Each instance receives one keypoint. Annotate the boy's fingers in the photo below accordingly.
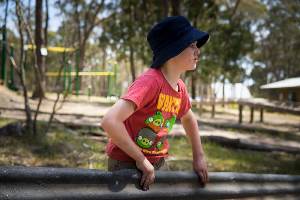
(149, 180)
(146, 184)
(143, 179)
(147, 170)
(206, 176)
(203, 178)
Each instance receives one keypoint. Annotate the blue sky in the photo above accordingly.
(54, 20)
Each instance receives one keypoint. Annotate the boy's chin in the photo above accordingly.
(190, 67)
(193, 67)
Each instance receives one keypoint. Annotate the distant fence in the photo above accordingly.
(66, 183)
(252, 104)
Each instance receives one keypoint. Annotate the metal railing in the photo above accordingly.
(67, 183)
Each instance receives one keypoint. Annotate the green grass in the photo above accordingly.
(64, 147)
(4, 121)
(225, 159)
(61, 147)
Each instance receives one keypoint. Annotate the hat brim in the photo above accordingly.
(178, 46)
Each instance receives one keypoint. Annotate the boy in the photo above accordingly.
(139, 122)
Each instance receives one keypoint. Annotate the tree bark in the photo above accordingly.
(131, 49)
(104, 91)
(166, 8)
(46, 36)
(29, 122)
(193, 85)
(46, 24)
(82, 55)
(223, 91)
(40, 86)
(89, 19)
(176, 7)
(132, 66)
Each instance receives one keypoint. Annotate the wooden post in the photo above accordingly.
(240, 113)
(200, 107)
(213, 110)
(251, 114)
(261, 114)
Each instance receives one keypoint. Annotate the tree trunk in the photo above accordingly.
(46, 24)
(29, 122)
(223, 92)
(131, 49)
(166, 8)
(193, 85)
(40, 87)
(81, 60)
(46, 32)
(132, 67)
(175, 7)
(82, 56)
(104, 91)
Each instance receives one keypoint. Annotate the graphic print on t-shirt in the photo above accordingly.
(167, 103)
(155, 122)
(151, 139)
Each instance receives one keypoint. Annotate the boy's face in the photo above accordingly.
(188, 58)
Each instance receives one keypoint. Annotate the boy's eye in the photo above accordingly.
(194, 45)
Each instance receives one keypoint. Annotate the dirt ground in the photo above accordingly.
(83, 110)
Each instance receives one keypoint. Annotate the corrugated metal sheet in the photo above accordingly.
(287, 83)
(65, 183)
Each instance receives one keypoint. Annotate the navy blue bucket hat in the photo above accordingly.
(171, 36)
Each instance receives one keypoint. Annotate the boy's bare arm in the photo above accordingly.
(113, 124)
(191, 128)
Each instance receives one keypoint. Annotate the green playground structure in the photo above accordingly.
(67, 67)
(67, 70)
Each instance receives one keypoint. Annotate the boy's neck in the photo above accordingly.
(171, 75)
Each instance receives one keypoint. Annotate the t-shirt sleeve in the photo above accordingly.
(142, 91)
(185, 102)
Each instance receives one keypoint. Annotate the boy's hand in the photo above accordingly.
(200, 168)
(148, 175)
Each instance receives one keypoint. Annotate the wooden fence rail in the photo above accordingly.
(251, 103)
(66, 183)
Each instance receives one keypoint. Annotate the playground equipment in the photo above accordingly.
(66, 66)
(9, 81)
(68, 73)
(67, 70)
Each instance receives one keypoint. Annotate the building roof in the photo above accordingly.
(287, 83)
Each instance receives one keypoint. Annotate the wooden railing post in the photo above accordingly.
(261, 114)
(251, 114)
(213, 109)
(240, 113)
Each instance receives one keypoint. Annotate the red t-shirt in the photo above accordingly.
(158, 106)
